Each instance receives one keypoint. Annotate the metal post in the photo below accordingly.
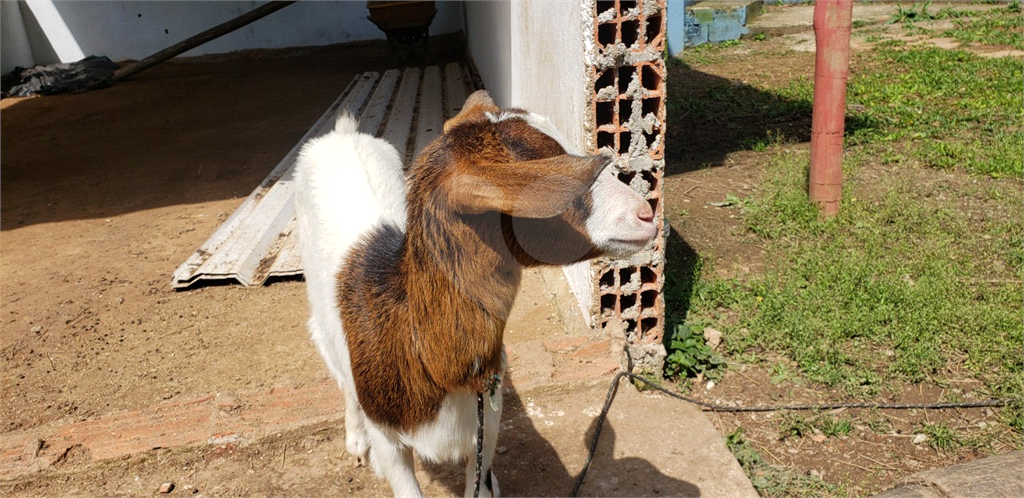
(832, 24)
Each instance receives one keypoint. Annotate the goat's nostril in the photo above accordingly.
(645, 213)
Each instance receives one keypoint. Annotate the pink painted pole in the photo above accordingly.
(832, 21)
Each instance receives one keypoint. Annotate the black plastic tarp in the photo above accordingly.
(90, 72)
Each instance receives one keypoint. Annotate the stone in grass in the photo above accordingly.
(713, 337)
(166, 487)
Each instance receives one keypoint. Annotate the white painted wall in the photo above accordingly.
(532, 54)
(549, 71)
(14, 47)
(60, 30)
(489, 37)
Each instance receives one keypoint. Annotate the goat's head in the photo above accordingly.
(555, 207)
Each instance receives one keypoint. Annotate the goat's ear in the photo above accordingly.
(474, 109)
(532, 189)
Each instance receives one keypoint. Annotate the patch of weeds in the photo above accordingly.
(879, 425)
(992, 27)
(760, 36)
(834, 427)
(941, 436)
(860, 23)
(914, 13)
(761, 144)
(706, 53)
(1013, 415)
(781, 373)
(724, 103)
(784, 208)
(689, 355)
(772, 480)
(730, 200)
(891, 43)
(795, 425)
(915, 30)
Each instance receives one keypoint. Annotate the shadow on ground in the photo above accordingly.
(187, 131)
(535, 465)
(710, 117)
(681, 273)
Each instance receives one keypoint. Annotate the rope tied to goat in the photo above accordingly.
(492, 386)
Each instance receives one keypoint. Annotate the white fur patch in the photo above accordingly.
(346, 184)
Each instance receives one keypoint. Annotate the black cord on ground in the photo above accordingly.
(613, 389)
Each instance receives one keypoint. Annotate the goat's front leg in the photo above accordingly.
(492, 422)
(355, 429)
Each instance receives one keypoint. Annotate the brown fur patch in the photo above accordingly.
(425, 314)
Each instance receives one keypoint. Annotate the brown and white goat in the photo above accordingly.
(411, 282)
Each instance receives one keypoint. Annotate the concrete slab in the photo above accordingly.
(685, 456)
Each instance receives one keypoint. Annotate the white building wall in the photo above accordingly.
(489, 36)
(14, 46)
(549, 72)
(60, 30)
(532, 54)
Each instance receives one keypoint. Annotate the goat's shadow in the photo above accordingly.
(531, 465)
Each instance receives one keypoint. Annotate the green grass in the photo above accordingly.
(964, 118)
(941, 436)
(909, 283)
(892, 273)
(952, 109)
(797, 425)
(897, 287)
(916, 12)
(1002, 26)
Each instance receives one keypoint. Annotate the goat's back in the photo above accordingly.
(347, 183)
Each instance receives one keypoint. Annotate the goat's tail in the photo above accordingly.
(346, 123)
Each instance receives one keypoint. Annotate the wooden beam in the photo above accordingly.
(197, 40)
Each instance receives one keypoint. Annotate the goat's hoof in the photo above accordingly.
(359, 461)
(356, 446)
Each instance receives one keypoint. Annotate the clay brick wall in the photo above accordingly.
(628, 106)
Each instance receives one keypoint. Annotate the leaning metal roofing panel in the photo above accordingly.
(258, 241)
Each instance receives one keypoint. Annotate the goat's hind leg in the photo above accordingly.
(336, 357)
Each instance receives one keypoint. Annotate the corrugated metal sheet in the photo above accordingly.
(257, 242)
